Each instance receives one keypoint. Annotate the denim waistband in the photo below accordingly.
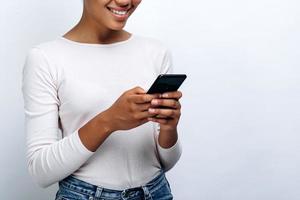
(83, 187)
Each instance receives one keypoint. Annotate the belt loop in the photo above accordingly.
(98, 192)
(147, 194)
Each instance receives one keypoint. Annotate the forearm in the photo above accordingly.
(95, 132)
(51, 162)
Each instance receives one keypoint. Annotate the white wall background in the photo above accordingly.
(241, 106)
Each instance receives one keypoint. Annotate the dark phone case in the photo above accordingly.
(167, 83)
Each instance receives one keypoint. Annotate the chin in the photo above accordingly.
(117, 27)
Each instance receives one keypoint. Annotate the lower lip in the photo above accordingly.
(119, 17)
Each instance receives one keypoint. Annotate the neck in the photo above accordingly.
(89, 31)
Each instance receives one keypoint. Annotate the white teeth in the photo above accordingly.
(118, 12)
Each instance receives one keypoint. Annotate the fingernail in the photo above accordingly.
(151, 110)
(164, 95)
(154, 101)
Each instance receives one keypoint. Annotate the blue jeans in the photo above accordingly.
(72, 188)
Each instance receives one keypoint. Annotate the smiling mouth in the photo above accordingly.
(119, 12)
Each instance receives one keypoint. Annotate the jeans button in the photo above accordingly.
(124, 193)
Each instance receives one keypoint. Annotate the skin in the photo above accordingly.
(134, 107)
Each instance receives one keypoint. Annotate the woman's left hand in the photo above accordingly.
(168, 116)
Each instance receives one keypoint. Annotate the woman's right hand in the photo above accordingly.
(130, 109)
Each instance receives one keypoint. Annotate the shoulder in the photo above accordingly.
(47, 47)
(47, 52)
(155, 48)
(38, 50)
(37, 57)
(152, 43)
(158, 51)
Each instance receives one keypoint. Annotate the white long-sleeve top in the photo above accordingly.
(65, 84)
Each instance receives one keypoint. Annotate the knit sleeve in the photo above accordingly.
(168, 156)
(49, 158)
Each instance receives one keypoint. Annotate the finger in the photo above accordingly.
(143, 98)
(144, 115)
(171, 103)
(158, 120)
(142, 106)
(172, 95)
(157, 116)
(164, 112)
(161, 117)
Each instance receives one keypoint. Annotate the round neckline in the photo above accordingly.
(98, 44)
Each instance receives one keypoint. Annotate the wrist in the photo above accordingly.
(167, 138)
(104, 121)
(168, 129)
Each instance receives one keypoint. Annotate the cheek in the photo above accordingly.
(95, 6)
(96, 9)
(136, 2)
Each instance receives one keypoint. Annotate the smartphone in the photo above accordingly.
(166, 83)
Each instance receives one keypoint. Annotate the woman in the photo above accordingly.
(90, 85)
